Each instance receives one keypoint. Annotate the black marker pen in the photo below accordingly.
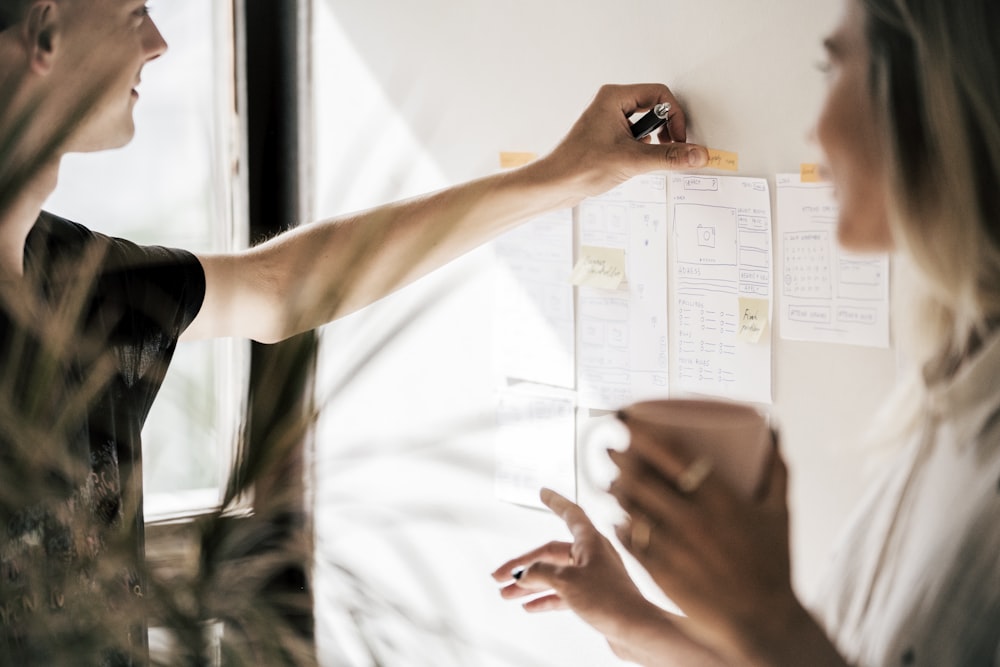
(653, 119)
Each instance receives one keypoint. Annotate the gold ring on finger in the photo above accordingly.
(694, 475)
(641, 533)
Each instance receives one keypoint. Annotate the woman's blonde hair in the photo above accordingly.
(935, 79)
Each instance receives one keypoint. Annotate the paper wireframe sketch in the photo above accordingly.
(622, 332)
(828, 295)
(721, 275)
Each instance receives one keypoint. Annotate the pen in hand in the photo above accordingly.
(650, 122)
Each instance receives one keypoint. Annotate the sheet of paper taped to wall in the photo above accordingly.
(828, 295)
(603, 268)
(534, 336)
(622, 333)
(535, 443)
(721, 252)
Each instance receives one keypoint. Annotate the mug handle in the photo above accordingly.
(598, 434)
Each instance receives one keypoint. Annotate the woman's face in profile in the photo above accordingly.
(846, 131)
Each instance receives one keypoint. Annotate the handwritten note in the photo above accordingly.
(724, 160)
(622, 334)
(754, 315)
(828, 295)
(721, 241)
(603, 268)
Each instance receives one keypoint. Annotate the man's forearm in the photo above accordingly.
(308, 276)
(338, 266)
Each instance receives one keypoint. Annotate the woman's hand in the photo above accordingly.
(589, 577)
(723, 559)
(599, 151)
(586, 575)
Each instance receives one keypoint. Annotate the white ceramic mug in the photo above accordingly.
(735, 438)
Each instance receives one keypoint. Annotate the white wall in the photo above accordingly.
(412, 96)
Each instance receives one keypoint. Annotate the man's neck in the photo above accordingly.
(19, 217)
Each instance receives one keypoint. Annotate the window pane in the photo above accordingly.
(170, 186)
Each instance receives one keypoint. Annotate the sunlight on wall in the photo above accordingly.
(413, 96)
(368, 154)
(408, 526)
(379, 469)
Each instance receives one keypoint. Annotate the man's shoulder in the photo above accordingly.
(59, 235)
(60, 239)
(50, 224)
(166, 285)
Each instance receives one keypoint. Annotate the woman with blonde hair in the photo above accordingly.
(911, 137)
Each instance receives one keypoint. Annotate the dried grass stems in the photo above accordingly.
(221, 572)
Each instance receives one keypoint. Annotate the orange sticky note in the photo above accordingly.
(809, 173)
(511, 159)
(725, 160)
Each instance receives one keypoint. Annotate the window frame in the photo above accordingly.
(269, 128)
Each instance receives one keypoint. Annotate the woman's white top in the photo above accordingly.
(916, 578)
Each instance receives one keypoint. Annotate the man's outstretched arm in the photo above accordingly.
(313, 274)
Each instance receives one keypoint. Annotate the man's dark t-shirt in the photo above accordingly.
(84, 345)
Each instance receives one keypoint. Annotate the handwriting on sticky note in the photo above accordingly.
(725, 160)
(511, 159)
(603, 268)
(809, 173)
(753, 319)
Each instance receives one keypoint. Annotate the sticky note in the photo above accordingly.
(809, 173)
(603, 268)
(511, 159)
(753, 317)
(724, 160)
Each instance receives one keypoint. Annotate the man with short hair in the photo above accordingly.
(89, 323)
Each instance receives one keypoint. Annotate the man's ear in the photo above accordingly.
(41, 34)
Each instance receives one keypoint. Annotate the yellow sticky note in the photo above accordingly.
(725, 160)
(809, 173)
(511, 159)
(600, 267)
(753, 318)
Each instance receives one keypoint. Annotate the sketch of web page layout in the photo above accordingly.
(622, 323)
(533, 308)
(828, 295)
(721, 277)
(535, 443)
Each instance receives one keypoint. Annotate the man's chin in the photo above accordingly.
(105, 143)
